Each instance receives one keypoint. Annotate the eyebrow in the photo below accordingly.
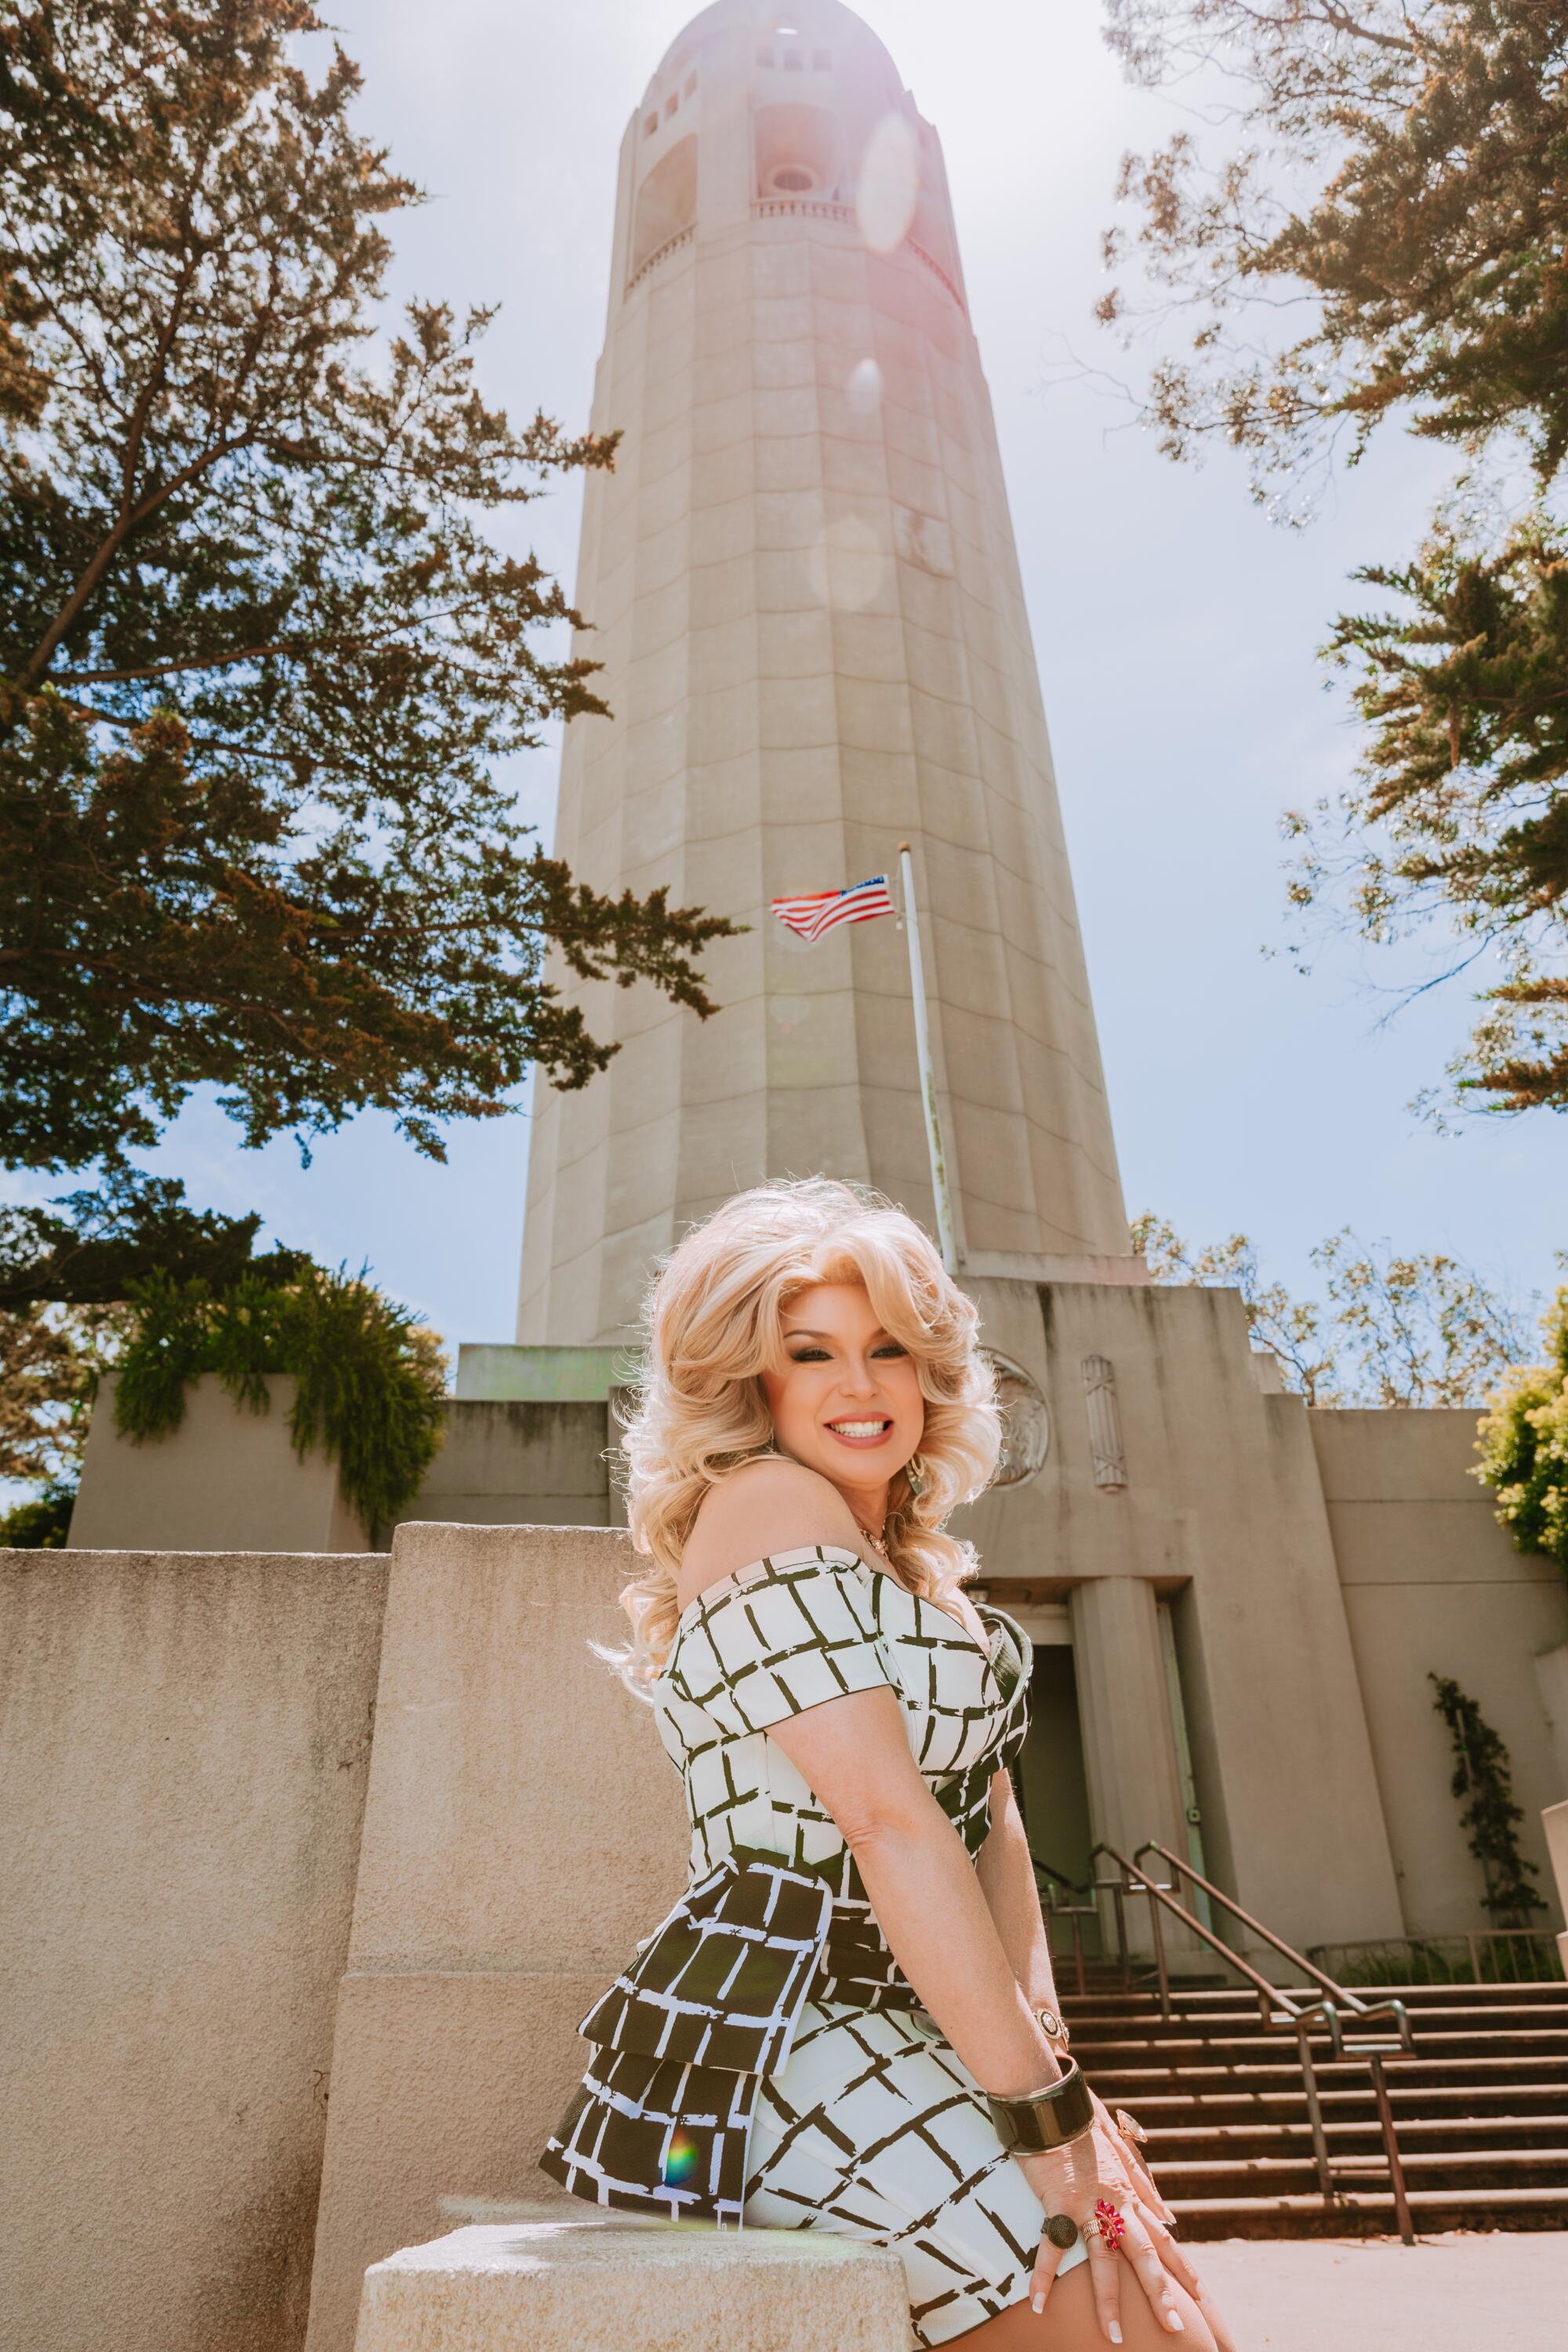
(805, 1332)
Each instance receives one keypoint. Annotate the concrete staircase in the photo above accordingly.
(1481, 2111)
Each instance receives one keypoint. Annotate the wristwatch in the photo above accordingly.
(1050, 2118)
(1053, 2027)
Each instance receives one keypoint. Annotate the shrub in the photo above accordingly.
(1523, 1445)
(370, 1379)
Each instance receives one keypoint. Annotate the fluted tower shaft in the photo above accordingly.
(806, 599)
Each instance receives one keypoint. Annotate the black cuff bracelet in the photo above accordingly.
(1050, 2119)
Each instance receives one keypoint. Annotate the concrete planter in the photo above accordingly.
(225, 1480)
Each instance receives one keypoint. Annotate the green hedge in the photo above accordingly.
(370, 1379)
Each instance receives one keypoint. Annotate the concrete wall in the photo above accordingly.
(523, 1829)
(229, 1480)
(1433, 1585)
(225, 1480)
(184, 1746)
(1222, 1509)
(508, 1463)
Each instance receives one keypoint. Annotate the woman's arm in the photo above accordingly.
(1007, 1882)
(854, 1754)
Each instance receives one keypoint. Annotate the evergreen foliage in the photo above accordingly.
(261, 664)
(1384, 238)
(370, 1379)
(1524, 1446)
(1483, 1781)
(90, 1248)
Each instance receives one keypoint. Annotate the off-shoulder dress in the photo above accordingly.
(762, 2059)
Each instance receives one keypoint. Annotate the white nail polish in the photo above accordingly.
(1116, 2331)
(1038, 2304)
(1175, 2323)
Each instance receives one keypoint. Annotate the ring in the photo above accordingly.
(1131, 2128)
(1062, 2232)
(1109, 2225)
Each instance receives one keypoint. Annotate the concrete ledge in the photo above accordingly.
(618, 2284)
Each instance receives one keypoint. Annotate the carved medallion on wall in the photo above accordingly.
(1025, 1422)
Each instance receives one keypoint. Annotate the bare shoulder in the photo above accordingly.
(765, 1507)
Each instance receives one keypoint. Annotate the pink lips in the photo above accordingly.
(880, 1437)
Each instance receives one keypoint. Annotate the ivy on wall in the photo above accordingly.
(1523, 1445)
(1483, 1780)
(370, 1379)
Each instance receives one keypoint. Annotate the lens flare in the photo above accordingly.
(681, 2160)
(865, 388)
(890, 184)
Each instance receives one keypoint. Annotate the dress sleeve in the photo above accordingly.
(792, 1632)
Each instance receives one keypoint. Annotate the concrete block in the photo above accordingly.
(184, 1745)
(634, 2286)
(227, 1480)
(523, 1830)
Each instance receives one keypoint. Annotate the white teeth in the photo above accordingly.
(858, 1428)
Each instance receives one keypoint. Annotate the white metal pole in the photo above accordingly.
(928, 1078)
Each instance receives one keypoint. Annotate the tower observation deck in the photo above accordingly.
(805, 594)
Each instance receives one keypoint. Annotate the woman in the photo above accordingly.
(848, 2021)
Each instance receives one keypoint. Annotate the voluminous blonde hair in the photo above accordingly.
(712, 1327)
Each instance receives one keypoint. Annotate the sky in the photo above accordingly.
(1176, 629)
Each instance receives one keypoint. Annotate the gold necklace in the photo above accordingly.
(877, 1543)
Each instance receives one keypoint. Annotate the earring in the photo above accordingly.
(914, 1471)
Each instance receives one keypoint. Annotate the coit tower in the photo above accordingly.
(804, 592)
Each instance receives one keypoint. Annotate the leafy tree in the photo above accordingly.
(1391, 1331)
(50, 1357)
(1524, 1445)
(42, 1523)
(260, 666)
(1483, 1780)
(1383, 237)
(107, 1241)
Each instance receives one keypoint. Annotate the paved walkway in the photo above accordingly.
(1496, 2292)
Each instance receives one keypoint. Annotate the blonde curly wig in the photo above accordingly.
(711, 1326)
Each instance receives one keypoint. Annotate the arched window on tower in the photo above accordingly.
(796, 152)
(666, 202)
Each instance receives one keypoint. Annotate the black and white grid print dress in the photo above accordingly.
(762, 2059)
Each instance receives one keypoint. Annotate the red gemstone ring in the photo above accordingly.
(1109, 2225)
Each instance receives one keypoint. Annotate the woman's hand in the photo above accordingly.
(1128, 2184)
(1075, 2181)
(1125, 2153)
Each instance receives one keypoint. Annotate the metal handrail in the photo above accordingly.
(1060, 1877)
(1076, 1913)
(1277, 2004)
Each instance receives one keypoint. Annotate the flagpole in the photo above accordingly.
(927, 1080)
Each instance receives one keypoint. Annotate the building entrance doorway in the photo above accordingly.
(1052, 1785)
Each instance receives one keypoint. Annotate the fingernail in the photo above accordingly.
(1038, 2304)
(1175, 2323)
(1116, 2331)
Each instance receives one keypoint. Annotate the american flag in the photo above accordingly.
(821, 910)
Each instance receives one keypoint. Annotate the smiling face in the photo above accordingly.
(848, 1402)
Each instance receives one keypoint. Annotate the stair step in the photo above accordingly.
(1466, 2169)
(1364, 2214)
(1480, 2106)
(1173, 2144)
